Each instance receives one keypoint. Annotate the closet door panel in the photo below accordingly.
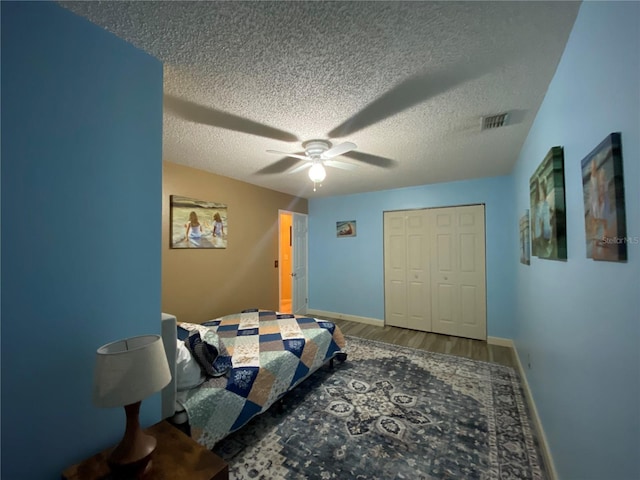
(459, 253)
(395, 268)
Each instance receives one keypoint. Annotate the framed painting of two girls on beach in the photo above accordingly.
(197, 223)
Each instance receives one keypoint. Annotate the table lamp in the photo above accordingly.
(127, 371)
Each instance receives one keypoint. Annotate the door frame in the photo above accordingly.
(284, 244)
(281, 244)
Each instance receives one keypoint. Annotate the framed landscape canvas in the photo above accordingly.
(548, 214)
(604, 207)
(525, 244)
(346, 228)
(197, 223)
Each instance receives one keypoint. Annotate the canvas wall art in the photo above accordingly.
(197, 223)
(548, 214)
(346, 228)
(604, 207)
(525, 243)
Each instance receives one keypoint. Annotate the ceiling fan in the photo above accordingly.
(317, 155)
(412, 91)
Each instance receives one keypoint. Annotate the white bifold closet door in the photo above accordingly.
(434, 261)
(407, 255)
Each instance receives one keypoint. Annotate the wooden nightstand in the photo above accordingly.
(176, 457)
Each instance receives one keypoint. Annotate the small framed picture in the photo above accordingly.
(604, 207)
(346, 228)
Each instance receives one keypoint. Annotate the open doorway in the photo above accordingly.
(285, 262)
(292, 259)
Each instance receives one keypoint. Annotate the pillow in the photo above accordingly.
(183, 333)
(188, 373)
(206, 352)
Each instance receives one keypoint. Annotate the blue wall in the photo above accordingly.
(81, 224)
(579, 320)
(346, 275)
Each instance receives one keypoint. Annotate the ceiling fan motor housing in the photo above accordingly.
(315, 148)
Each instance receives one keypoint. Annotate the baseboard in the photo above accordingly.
(544, 445)
(343, 316)
(502, 342)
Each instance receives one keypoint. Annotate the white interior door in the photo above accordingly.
(407, 279)
(395, 270)
(299, 267)
(459, 304)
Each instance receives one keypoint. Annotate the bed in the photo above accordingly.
(258, 356)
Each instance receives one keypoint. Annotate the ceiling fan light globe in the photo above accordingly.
(317, 173)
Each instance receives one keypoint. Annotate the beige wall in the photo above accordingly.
(202, 284)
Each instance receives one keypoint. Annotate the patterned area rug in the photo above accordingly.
(392, 412)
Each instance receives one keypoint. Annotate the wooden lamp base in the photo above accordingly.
(132, 457)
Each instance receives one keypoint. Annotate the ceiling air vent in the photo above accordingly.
(494, 121)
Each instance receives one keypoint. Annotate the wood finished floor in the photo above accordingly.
(432, 342)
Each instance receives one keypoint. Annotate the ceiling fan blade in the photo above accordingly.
(340, 165)
(280, 166)
(374, 160)
(301, 167)
(294, 155)
(408, 93)
(338, 150)
(216, 118)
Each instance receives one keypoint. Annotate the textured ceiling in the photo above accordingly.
(408, 82)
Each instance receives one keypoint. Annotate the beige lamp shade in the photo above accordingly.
(129, 370)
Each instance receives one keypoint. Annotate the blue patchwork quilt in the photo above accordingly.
(268, 355)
